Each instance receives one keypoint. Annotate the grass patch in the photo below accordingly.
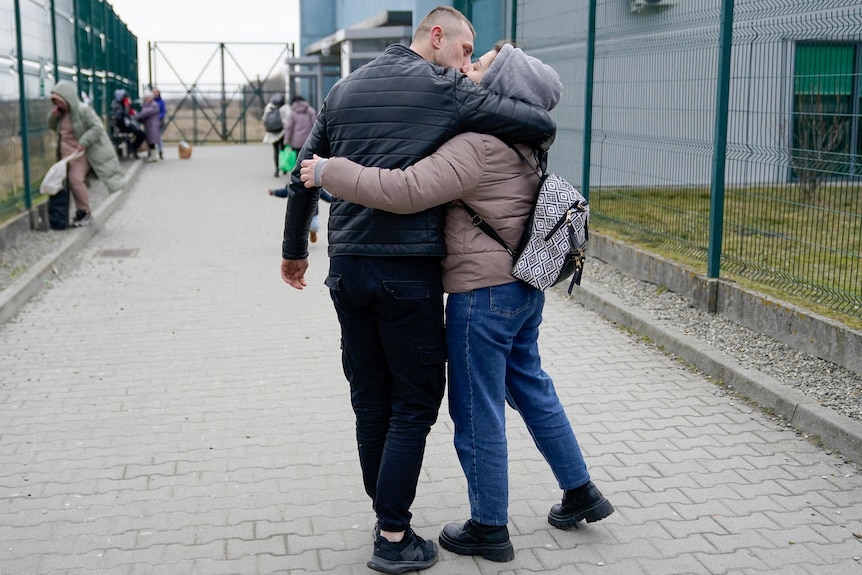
(807, 254)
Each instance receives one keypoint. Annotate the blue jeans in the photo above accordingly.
(492, 339)
(394, 354)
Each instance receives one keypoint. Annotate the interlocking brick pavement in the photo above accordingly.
(181, 410)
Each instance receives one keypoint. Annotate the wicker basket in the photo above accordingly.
(185, 150)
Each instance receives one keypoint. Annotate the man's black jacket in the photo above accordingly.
(391, 113)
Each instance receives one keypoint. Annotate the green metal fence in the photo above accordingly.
(43, 42)
(211, 94)
(730, 137)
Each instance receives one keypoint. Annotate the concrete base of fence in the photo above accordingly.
(796, 327)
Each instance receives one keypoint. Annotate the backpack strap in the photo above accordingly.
(480, 223)
(541, 160)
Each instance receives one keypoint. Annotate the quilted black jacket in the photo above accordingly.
(390, 113)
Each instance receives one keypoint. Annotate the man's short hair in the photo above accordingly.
(446, 17)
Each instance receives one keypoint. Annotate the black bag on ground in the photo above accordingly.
(58, 209)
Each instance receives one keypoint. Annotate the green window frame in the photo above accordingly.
(826, 111)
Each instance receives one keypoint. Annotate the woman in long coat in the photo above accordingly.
(149, 115)
(78, 127)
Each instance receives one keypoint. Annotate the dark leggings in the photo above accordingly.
(276, 148)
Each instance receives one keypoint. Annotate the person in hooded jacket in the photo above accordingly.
(276, 138)
(384, 274)
(298, 126)
(79, 128)
(149, 115)
(299, 122)
(492, 319)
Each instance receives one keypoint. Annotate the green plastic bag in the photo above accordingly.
(287, 159)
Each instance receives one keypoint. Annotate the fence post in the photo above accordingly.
(223, 96)
(588, 100)
(22, 108)
(54, 53)
(722, 97)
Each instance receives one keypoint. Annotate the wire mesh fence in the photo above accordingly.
(790, 219)
(41, 43)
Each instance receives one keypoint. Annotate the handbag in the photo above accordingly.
(287, 159)
(555, 240)
(54, 178)
(185, 150)
(58, 209)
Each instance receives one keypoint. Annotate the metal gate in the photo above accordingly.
(216, 91)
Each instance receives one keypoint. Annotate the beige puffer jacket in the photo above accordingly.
(479, 169)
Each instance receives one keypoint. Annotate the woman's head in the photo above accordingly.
(60, 102)
(277, 100)
(509, 71)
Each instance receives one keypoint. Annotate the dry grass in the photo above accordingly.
(808, 254)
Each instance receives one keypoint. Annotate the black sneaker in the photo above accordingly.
(81, 219)
(410, 554)
(585, 502)
(489, 541)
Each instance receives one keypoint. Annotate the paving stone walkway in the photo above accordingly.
(169, 406)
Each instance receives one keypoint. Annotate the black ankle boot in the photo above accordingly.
(489, 541)
(585, 502)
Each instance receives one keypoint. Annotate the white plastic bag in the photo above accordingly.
(53, 180)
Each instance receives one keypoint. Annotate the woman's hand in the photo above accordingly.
(306, 172)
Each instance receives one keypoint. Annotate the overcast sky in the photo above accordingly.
(168, 21)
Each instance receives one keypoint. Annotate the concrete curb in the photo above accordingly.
(14, 297)
(836, 431)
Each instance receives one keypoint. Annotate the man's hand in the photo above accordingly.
(293, 272)
(306, 172)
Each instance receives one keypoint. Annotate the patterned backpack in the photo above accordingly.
(555, 240)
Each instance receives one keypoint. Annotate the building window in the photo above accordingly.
(826, 114)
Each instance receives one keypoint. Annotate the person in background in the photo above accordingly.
(149, 115)
(300, 120)
(163, 112)
(492, 319)
(275, 136)
(78, 127)
(298, 126)
(122, 115)
(384, 269)
(315, 222)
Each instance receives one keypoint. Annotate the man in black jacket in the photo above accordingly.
(384, 274)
